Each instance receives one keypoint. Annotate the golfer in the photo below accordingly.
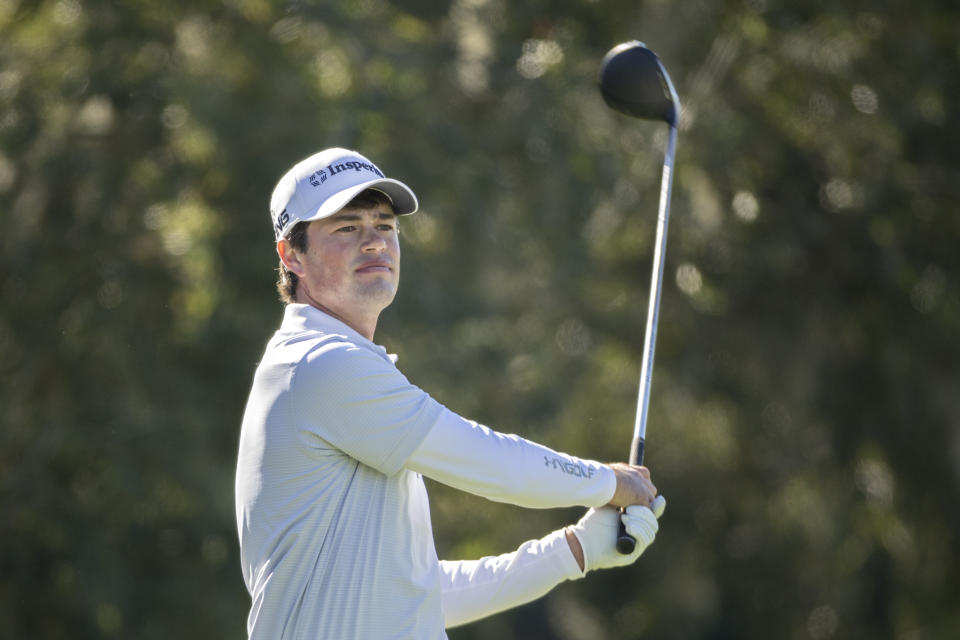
(332, 512)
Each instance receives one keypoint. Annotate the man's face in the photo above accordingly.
(351, 266)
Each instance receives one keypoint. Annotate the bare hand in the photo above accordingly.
(633, 485)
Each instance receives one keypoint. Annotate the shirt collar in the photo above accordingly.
(298, 318)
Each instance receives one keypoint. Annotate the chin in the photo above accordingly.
(383, 294)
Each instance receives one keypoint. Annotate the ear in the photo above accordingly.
(290, 257)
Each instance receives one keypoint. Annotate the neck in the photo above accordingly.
(365, 326)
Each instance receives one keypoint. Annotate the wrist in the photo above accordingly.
(575, 547)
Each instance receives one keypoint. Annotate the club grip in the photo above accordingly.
(626, 543)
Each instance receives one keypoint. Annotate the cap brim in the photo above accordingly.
(403, 199)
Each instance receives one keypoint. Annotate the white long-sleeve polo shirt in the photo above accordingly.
(332, 512)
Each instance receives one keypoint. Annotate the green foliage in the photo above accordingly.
(804, 421)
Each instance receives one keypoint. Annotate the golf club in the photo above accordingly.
(634, 82)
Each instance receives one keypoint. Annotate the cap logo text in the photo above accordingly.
(334, 169)
(282, 221)
(317, 178)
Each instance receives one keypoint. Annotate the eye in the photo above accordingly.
(385, 227)
(346, 229)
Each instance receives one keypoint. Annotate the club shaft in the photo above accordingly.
(656, 285)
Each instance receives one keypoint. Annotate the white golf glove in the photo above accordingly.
(597, 533)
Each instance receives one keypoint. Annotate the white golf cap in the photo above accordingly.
(324, 183)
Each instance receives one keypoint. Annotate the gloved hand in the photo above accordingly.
(597, 533)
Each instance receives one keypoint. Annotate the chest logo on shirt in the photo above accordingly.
(570, 468)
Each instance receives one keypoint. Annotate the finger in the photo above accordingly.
(642, 529)
(640, 511)
(658, 506)
(645, 489)
(652, 486)
(640, 518)
(648, 493)
(645, 480)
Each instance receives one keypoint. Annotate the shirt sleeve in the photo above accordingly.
(507, 468)
(474, 589)
(360, 403)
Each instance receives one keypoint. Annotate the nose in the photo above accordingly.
(373, 242)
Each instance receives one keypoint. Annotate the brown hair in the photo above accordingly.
(297, 237)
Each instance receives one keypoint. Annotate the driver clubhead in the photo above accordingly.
(634, 82)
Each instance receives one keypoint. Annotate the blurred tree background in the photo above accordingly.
(805, 419)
